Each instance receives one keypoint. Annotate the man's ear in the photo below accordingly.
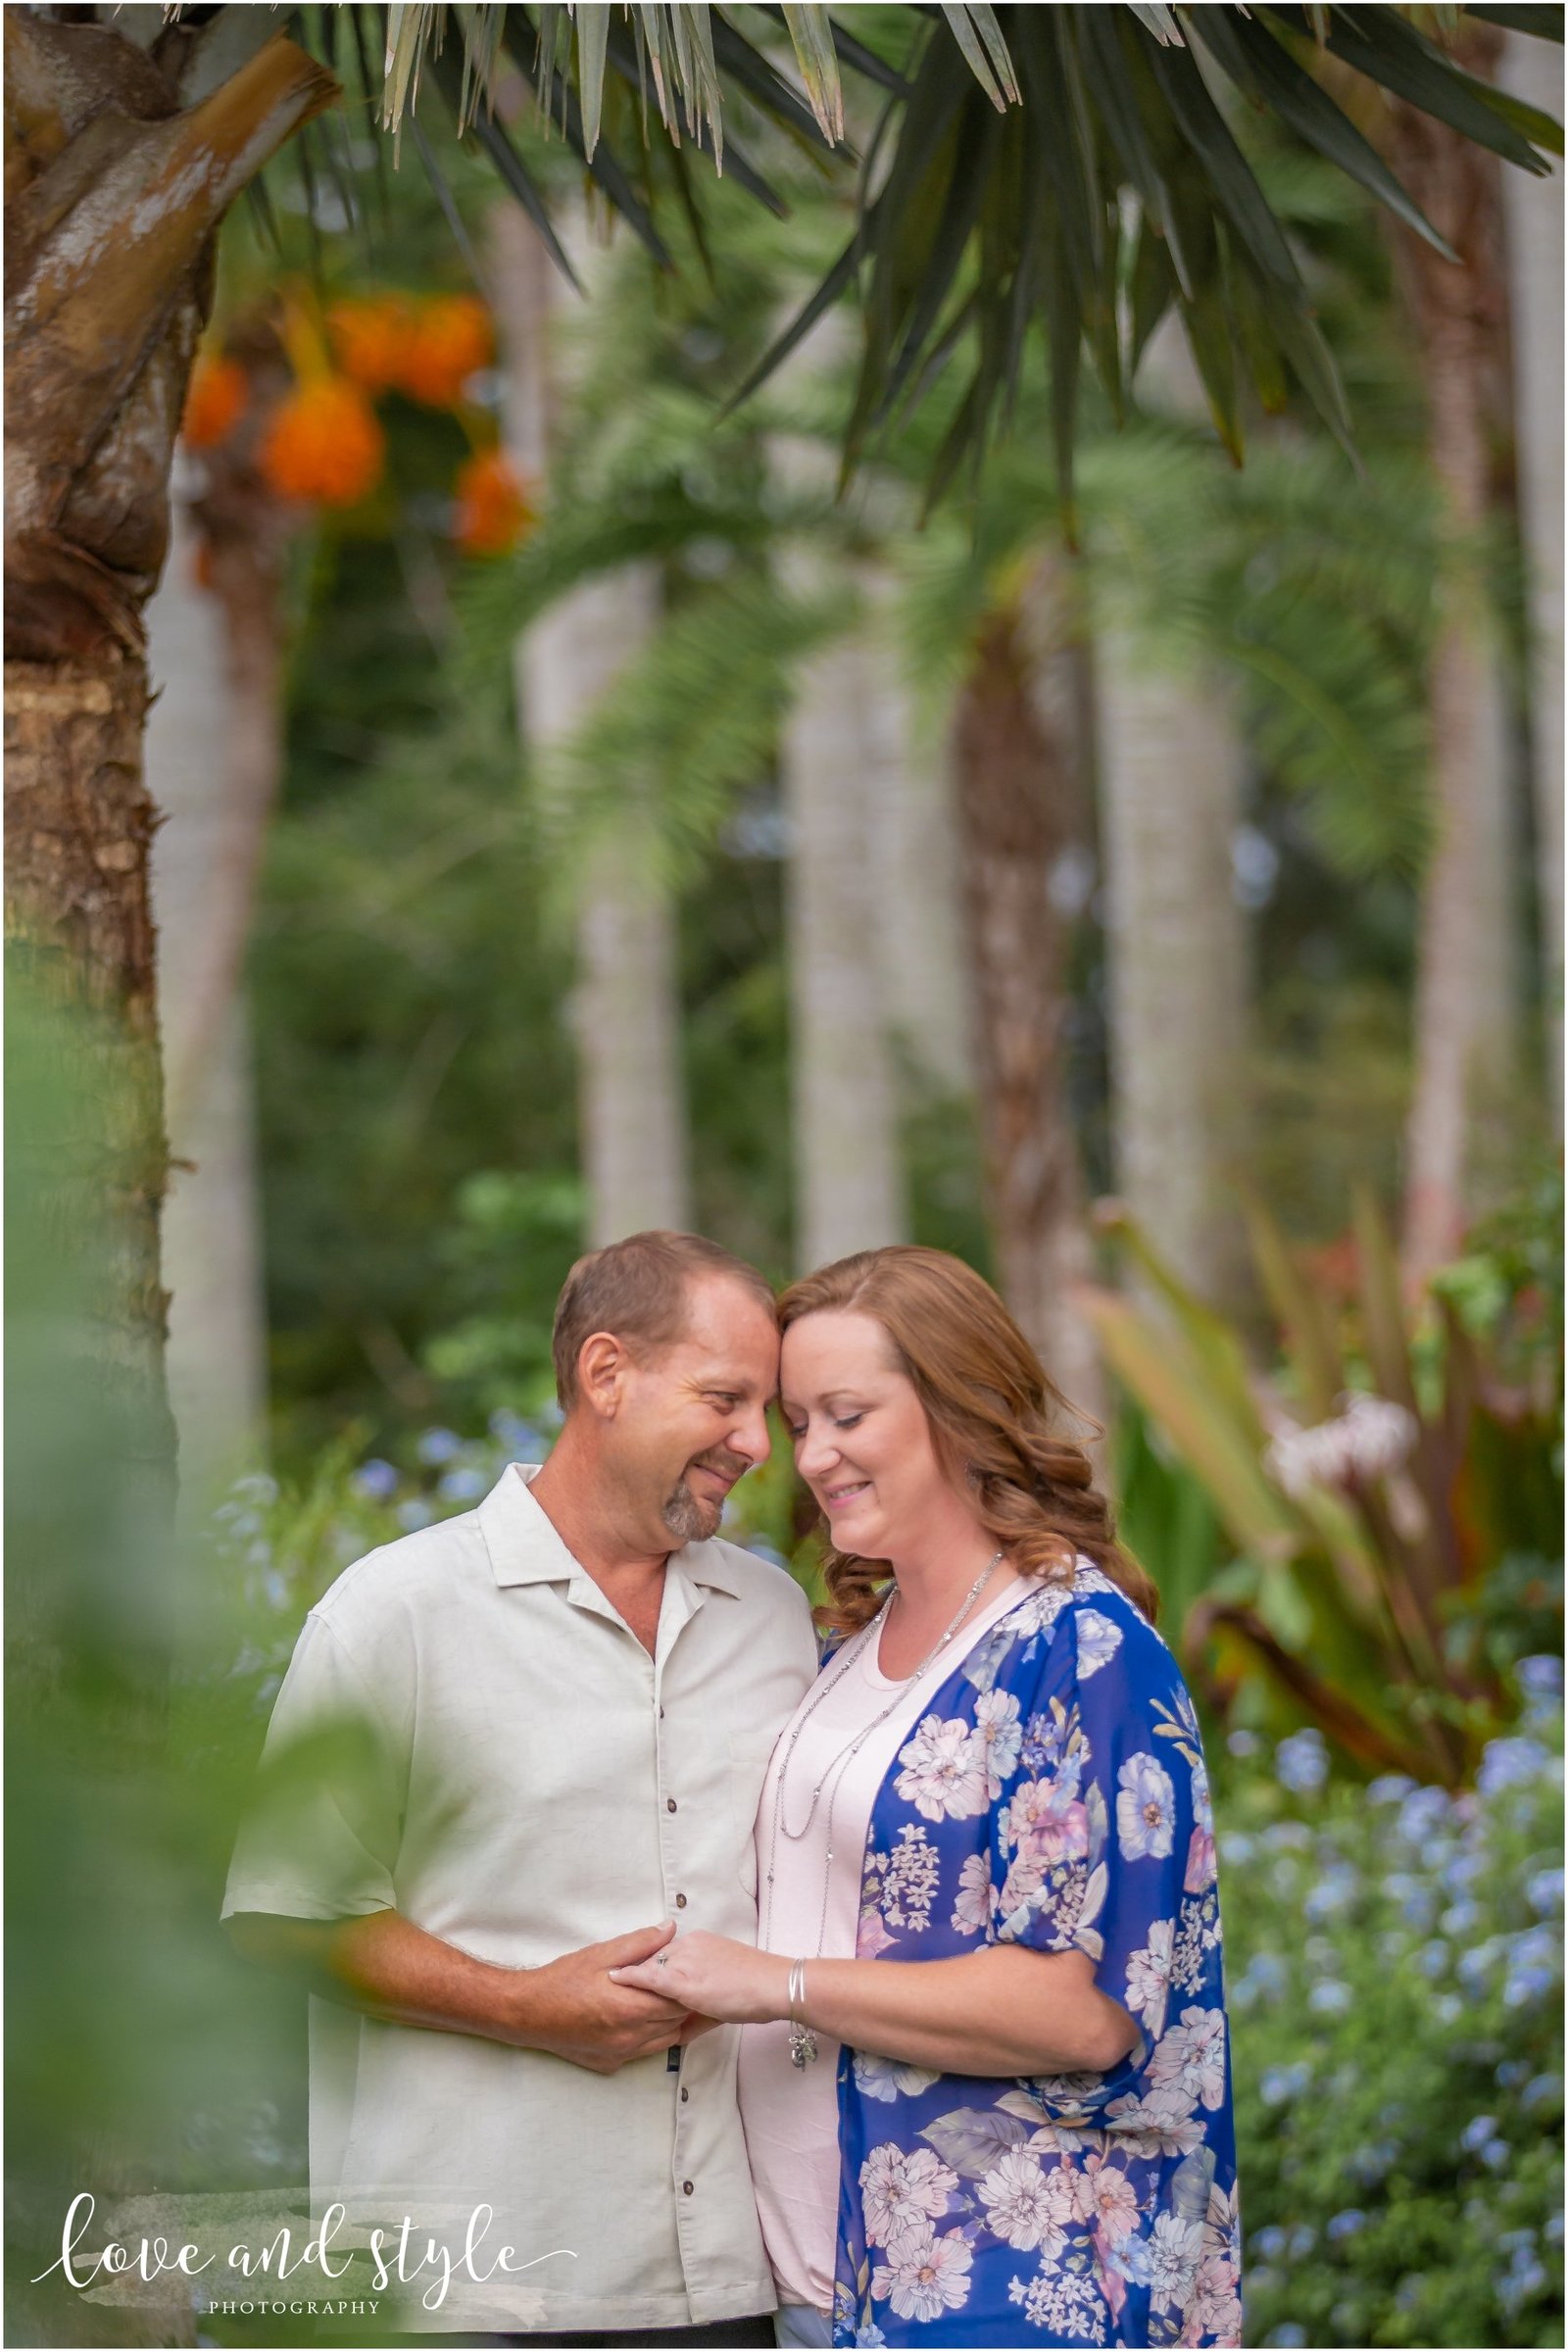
(602, 1362)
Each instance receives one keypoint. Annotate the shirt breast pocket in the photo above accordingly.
(749, 1754)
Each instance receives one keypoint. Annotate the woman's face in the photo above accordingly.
(863, 1443)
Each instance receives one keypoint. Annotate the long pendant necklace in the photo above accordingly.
(833, 1772)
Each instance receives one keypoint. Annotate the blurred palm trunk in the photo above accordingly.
(1532, 214)
(1457, 311)
(1017, 791)
(849, 1186)
(915, 852)
(112, 199)
(213, 757)
(1171, 771)
(626, 1005)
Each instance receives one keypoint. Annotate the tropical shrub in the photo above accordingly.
(1372, 1483)
(1394, 1981)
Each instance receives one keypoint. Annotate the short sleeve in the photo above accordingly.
(1105, 1837)
(321, 1839)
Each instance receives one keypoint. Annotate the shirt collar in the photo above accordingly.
(525, 1548)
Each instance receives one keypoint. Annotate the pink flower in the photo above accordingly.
(900, 2191)
(871, 1938)
(924, 2274)
(1017, 2195)
(1201, 1870)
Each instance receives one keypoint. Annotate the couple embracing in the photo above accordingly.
(749, 1998)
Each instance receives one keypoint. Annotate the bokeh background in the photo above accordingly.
(583, 810)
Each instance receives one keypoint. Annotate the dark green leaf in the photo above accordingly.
(1256, 62)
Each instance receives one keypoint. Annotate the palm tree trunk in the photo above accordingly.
(212, 755)
(1016, 792)
(1458, 314)
(848, 1176)
(1533, 221)
(1171, 771)
(626, 1005)
(914, 852)
(112, 199)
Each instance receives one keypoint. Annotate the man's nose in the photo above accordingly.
(751, 1438)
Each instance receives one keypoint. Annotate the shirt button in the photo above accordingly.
(669, 1804)
(680, 1902)
(687, 2187)
(685, 2094)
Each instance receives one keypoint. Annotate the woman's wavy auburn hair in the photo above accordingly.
(991, 1409)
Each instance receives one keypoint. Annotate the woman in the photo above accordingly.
(1027, 2137)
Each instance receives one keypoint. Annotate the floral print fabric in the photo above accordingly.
(1053, 1795)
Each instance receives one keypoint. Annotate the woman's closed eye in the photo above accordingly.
(839, 1421)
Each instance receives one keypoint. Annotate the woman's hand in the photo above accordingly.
(716, 1978)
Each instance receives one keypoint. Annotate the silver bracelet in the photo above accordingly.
(803, 2041)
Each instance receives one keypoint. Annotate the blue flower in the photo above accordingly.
(1533, 1948)
(1543, 1887)
(1346, 2223)
(1495, 2154)
(1268, 2244)
(1517, 2285)
(438, 1445)
(1243, 1743)
(1289, 2331)
(1236, 1848)
(1423, 1813)
(1330, 1998)
(1333, 1893)
(1435, 1959)
(462, 1484)
(1541, 2090)
(1281, 2083)
(415, 1514)
(1540, 1676)
(521, 1439)
(1447, 2008)
(1526, 1985)
(1552, 2230)
(1282, 1835)
(376, 1480)
(1415, 1898)
(1510, 2074)
(1301, 1761)
(1476, 1964)
(1459, 1919)
(1510, 1764)
(1304, 2237)
(1388, 1789)
(1477, 2133)
(1371, 2164)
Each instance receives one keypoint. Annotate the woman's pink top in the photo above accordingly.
(790, 2113)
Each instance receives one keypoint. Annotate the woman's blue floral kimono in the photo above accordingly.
(1053, 1796)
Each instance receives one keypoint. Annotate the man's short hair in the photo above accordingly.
(636, 1289)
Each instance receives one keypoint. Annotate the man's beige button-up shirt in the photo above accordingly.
(527, 1780)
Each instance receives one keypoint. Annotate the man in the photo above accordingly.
(504, 1742)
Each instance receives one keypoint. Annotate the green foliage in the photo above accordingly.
(1395, 1981)
(1368, 1487)
(1114, 192)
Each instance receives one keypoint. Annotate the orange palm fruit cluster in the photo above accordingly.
(369, 335)
(325, 445)
(494, 507)
(426, 348)
(216, 401)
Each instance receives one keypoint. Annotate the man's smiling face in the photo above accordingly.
(692, 1417)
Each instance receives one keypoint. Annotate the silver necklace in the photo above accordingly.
(838, 1765)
